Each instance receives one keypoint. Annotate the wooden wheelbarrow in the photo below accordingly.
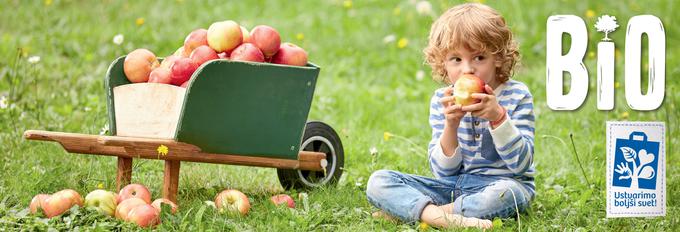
(240, 113)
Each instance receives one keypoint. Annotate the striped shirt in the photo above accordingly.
(507, 150)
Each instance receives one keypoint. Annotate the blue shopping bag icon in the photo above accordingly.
(636, 162)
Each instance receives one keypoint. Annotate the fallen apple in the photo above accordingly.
(37, 202)
(57, 204)
(158, 202)
(266, 38)
(283, 199)
(75, 197)
(247, 52)
(144, 216)
(134, 191)
(125, 206)
(465, 86)
(232, 201)
(102, 201)
(138, 65)
(224, 36)
(290, 54)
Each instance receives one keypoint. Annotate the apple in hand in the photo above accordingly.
(283, 199)
(181, 71)
(465, 86)
(247, 52)
(290, 54)
(101, 200)
(144, 215)
(203, 54)
(125, 206)
(134, 191)
(158, 202)
(37, 202)
(196, 38)
(224, 36)
(232, 201)
(160, 75)
(138, 65)
(266, 38)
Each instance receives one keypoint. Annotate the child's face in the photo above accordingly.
(464, 61)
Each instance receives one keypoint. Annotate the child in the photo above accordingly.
(480, 154)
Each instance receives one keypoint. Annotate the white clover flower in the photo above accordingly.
(424, 8)
(118, 39)
(389, 38)
(606, 24)
(104, 130)
(373, 150)
(3, 102)
(420, 75)
(33, 59)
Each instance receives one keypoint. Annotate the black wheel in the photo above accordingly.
(319, 137)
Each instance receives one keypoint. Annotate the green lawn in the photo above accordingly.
(366, 87)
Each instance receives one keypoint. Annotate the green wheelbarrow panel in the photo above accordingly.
(115, 76)
(244, 108)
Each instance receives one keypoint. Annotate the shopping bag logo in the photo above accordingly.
(636, 162)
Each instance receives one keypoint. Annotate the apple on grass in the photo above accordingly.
(134, 191)
(224, 36)
(203, 54)
(138, 65)
(266, 38)
(182, 70)
(247, 52)
(144, 215)
(102, 201)
(73, 195)
(283, 199)
(196, 38)
(57, 204)
(37, 203)
(465, 86)
(125, 206)
(232, 200)
(290, 54)
(158, 202)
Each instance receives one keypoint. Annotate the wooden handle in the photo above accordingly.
(146, 143)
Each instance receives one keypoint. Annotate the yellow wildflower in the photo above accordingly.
(624, 115)
(617, 85)
(590, 13)
(139, 21)
(300, 36)
(423, 226)
(591, 54)
(162, 150)
(387, 135)
(403, 42)
(48, 2)
(100, 186)
(347, 4)
(396, 11)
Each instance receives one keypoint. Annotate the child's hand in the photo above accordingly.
(488, 108)
(452, 111)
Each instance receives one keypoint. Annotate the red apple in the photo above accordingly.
(102, 200)
(290, 54)
(182, 70)
(246, 34)
(180, 52)
(196, 38)
(157, 204)
(232, 201)
(224, 36)
(37, 203)
(138, 65)
(75, 197)
(134, 191)
(144, 216)
(266, 38)
(169, 60)
(283, 198)
(203, 54)
(465, 86)
(125, 206)
(247, 52)
(160, 75)
(57, 204)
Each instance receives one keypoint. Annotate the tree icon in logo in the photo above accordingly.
(641, 162)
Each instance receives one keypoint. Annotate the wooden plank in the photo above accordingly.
(124, 175)
(171, 180)
(146, 143)
(149, 110)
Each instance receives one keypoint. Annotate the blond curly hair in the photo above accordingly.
(474, 26)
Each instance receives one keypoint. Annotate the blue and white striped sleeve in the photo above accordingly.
(440, 164)
(514, 138)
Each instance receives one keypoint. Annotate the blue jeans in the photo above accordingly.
(405, 196)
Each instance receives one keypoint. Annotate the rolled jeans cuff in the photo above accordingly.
(418, 208)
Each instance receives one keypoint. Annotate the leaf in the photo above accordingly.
(646, 173)
(199, 215)
(629, 154)
(645, 158)
(497, 223)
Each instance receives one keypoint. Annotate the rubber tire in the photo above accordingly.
(314, 135)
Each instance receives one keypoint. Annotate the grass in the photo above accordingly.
(366, 87)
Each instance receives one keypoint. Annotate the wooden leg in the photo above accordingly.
(124, 172)
(171, 180)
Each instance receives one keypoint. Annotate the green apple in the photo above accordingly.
(101, 200)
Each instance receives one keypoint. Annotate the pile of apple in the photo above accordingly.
(131, 204)
(222, 40)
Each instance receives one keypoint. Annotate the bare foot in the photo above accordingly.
(382, 215)
(457, 220)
